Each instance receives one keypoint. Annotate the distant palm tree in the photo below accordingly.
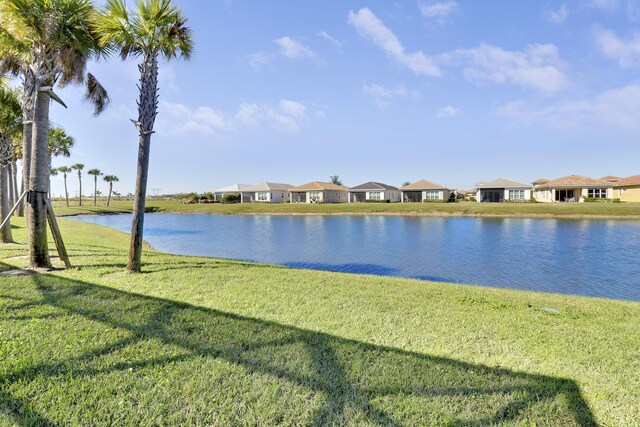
(155, 28)
(60, 144)
(48, 43)
(79, 167)
(10, 127)
(65, 170)
(54, 172)
(110, 179)
(96, 173)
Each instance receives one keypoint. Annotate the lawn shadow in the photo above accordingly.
(354, 382)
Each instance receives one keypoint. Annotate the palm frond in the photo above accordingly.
(96, 95)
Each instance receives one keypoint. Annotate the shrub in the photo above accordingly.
(231, 198)
(435, 201)
(597, 200)
(378, 201)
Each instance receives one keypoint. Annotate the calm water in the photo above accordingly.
(582, 257)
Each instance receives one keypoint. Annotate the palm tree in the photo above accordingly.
(46, 42)
(155, 28)
(79, 167)
(110, 179)
(65, 170)
(10, 126)
(96, 173)
(54, 172)
(59, 145)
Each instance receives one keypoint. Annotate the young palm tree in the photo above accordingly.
(47, 43)
(10, 126)
(154, 28)
(65, 170)
(79, 167)
(96, 173)
(110, 179)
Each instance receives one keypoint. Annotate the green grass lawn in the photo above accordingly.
(200, 341)
(630, 210)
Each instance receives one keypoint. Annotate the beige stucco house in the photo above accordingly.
(627, 189)
(502, 190)
(424, 191)
(266, 192)
(319, 192)
(374, 191)
(573, 188)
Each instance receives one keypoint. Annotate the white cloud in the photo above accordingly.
(438, 11)
(288, 116)
(537, 67)
(616, 109)
(382, 95)
(606, 5)
(557, 16)
(369, 26)
(293, 49)
(625, 52)
(337, 43)
(447, 112)
(259, 59)
(179, 119)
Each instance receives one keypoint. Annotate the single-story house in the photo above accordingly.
(231, 189)
(627, 189)
(319, 192)
(502, 189)
(374, 191)
(267, 192)
(573, 188)
(424, 191)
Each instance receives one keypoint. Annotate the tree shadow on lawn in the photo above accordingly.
(349, 382)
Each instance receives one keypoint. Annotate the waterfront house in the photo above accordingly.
(374, 191)
(266, 192)
(319, 192)
(573, 188)
(502, 190)
(627, 189)
(230, 189)
(424, 191)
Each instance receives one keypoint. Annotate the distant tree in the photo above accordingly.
(60, 144)
(54, 172)
(65, 170)
(95, 173)
(335, 179)
(208, 195)
(404, 184)
(111, 179)
(79, 167)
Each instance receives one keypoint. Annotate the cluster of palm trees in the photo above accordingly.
(65, 170)
(48, 44)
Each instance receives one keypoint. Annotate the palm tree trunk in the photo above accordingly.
(66, 192)
(14, 180)
(147, 110)
(27, 136)
(12, 196)
(110, 188)
(80, 181)
(5, 184)
(95, 190)
(38, 179)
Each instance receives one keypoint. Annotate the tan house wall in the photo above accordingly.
(629, 194)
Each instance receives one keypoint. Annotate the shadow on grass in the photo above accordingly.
(351, 382)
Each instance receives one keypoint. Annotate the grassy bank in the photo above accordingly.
(628, 210)
(215, 342)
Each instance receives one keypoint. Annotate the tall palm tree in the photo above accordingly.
(10, 126)
(110, 179)
(54, 172)
(79, 167)
(96, 173)
(47, 43)
(65, 170)
(60, 144)
(155, 28)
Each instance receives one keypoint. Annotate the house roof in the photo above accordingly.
(575, 181)
(611, 178)
(233, 188)
(423, 185)
(540, 181)
(268, 186)
(629, 181)
(504, 183)
(373, 186)
(318, 186)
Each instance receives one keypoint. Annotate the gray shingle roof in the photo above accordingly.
(504, 183)
(268, 186)
(371, 185)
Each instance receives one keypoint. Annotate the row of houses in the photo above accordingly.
(572, 188)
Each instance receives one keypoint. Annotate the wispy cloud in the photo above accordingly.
(447, 111)
(538, 67)
(438, 11)
(337, 43)
(383, 95)
(616, 109)
(557, 16)
(371, 27)
(259, 59)
(605, 5)
(625, 52)
(288, 115)
(293, 49)
(179, 119)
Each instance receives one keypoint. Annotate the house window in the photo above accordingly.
(375, 195)
(432, 195)
(263, 197)
(597, 193)
(516, 194)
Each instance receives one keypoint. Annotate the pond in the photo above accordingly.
(579, 257)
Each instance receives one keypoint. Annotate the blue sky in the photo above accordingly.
(450, 91)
